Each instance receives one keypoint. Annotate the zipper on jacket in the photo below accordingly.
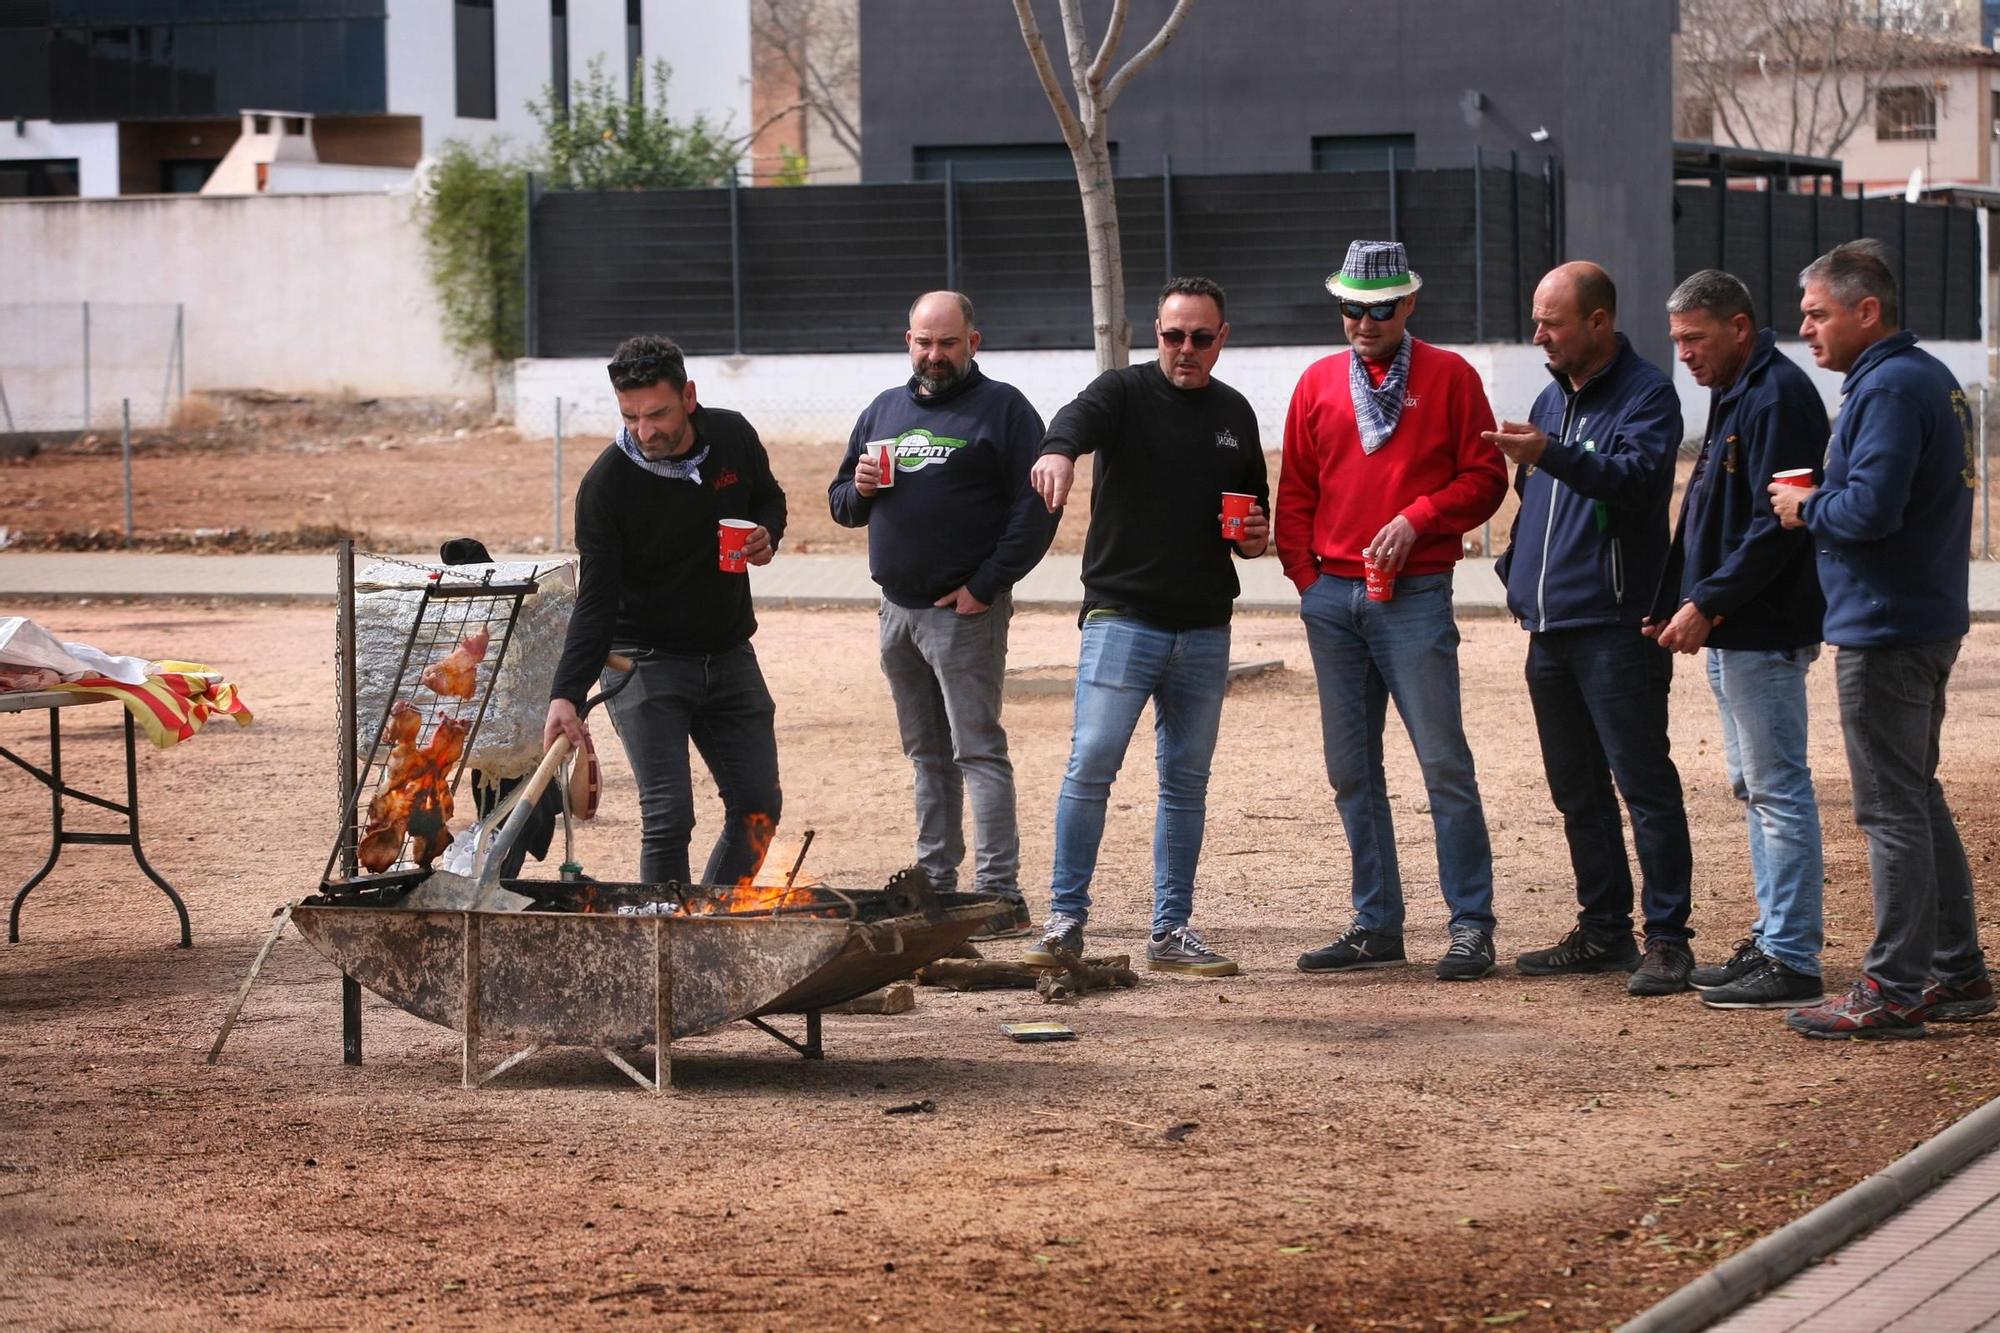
(1618, 571)
(1548, 530)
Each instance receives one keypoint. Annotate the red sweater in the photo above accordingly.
(1435, 470)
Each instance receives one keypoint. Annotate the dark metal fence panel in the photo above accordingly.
(834, 270)
(614, 264)
(1765, 239)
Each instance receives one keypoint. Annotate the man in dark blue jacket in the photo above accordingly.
(1747, 589)
(1893, 524)
(1596, 468)
(949, 534)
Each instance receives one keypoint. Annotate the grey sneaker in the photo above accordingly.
(1358, 947)
(1664, 970)
(1184, 951)
(1470, 956)
(1059, 933)
(1746, 959)
(1770, 986)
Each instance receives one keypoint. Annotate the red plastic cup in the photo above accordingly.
(1381, 583)
(1794, 476)
(1235, 509)
(733, 532)
(885, 464)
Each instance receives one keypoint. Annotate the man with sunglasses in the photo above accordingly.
(647, 520)
(1158, 590)
(1384, 468)
(949, 535)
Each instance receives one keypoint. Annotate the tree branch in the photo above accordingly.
(1038, 52)
(1112, 33)
(1147, 53)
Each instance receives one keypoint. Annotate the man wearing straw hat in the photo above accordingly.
(1384, 472)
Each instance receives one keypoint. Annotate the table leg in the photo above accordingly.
(132, 822)
(54, 781)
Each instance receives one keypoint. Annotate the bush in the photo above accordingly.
(475, 229)
(606, 141)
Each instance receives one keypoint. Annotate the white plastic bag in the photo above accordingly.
(24, 643)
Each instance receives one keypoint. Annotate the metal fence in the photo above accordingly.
(73, 366)
(831, 268)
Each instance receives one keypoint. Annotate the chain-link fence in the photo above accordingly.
(71, 366)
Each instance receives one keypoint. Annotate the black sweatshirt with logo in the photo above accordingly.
(1165, 455)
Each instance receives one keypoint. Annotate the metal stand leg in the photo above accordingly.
(809, 1049)
(350, 1020)
(59, 837)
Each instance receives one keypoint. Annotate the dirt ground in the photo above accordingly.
(1370, 1151)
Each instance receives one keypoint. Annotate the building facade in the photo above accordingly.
(144, 96)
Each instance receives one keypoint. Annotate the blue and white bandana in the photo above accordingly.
(674, 469)
(1377, 411)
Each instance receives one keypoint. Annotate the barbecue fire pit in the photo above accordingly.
(622, 966)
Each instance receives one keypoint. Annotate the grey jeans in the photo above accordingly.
(1891, 714)
(945, 672)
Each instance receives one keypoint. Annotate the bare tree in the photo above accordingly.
(816, 46)
(1085, 130)
(1801, 76)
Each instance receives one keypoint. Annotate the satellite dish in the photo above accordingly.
(1916, 187)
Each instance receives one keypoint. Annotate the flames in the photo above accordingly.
(747, 895)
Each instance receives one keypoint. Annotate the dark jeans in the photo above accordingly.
(1600, 699)
(1891, 714)
(720, 703)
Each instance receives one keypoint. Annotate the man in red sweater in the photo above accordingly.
(1384, 467)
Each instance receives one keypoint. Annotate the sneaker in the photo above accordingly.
(1741, 964)
(1357, 948)
(1182, 950)
(1771, 986)
(1470, 956)
(1862, 1012)
(1581, 951)
(1664, 970)
(1060, 934)
(1956, 1004)
(1010, 923)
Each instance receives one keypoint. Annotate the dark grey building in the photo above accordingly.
(1304, 85)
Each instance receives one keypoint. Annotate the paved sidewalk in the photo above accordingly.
(1932, 1268)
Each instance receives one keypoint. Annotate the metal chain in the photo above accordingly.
(447, 571)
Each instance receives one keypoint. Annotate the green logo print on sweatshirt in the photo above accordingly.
(917, 449)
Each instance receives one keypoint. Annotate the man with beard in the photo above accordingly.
(950, 532)
(1596, 468)
(1158, 590)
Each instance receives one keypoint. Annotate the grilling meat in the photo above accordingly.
(414, 800)
(456, 673)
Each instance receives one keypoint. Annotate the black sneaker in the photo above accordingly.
(1010, 923)
(1959, 1004)
(1664, 970)
(1771, 986)
(1581, 951)
(1059, 933)
(1470, 956)
(1357, 948)
(1740, 964)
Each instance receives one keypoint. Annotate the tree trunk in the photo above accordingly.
(1111, 331)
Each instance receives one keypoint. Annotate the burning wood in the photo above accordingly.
(455, 675)
(414, 801)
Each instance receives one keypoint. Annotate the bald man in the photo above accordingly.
(1594, 470)
(949, 534)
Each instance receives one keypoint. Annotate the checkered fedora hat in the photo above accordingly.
(1373, 271)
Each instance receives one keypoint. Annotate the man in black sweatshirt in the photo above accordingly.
(1158, 590)
(647, 527)
(948, 538)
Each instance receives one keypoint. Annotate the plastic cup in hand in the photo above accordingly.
(885, 464)
(734, 532)
(1794, 476)
(1235, 512)
(1381, 583)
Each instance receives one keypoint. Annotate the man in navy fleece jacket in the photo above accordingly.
(1892, 523)
(947, 541)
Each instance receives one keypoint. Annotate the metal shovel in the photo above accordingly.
(480, 890)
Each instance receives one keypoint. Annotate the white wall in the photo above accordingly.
(816, 397)
(707, 42)
(95, 148)
(302, 293)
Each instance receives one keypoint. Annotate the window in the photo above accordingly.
(998, 162)
(559, 53)
(185, 175)
(1362, 152)
(473, 55)
(38, 178)
(1905, 113)
(635, 50)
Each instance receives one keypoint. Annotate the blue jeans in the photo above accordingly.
(1364, 654)
(1761, 695)
(720, 703)
(1123, 663)
(1892, 715)
(1600, 699)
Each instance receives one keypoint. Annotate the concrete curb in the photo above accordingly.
(1826, 1228)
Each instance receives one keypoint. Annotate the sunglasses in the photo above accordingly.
(1201, 338)
(1379, 312)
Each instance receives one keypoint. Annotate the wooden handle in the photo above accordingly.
(618, 662)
